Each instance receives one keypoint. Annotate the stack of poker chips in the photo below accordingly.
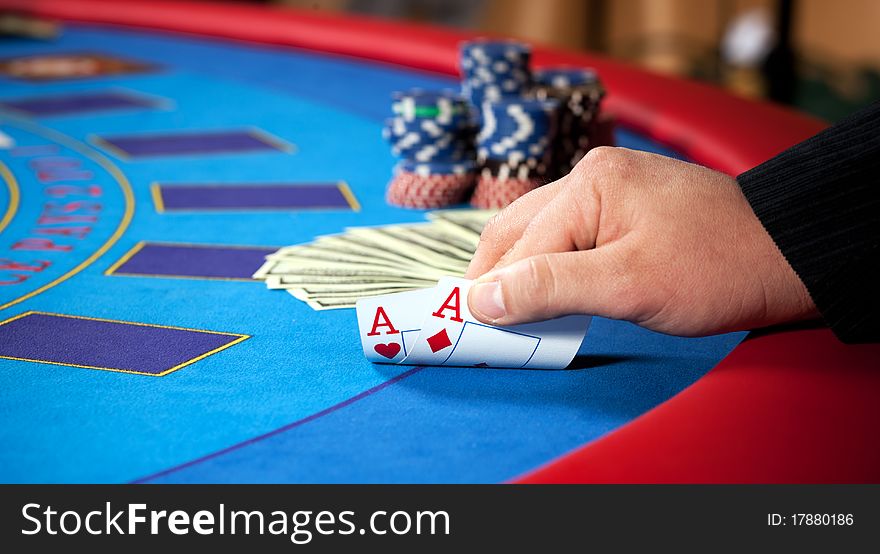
(533, 129)
(514, 153)
(579, 93)
(433, 133)
(494, 70)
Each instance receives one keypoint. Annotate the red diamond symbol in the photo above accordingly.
(439, 341)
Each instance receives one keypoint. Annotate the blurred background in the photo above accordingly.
(820, 56)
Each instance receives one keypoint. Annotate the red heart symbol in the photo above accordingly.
(388, 350)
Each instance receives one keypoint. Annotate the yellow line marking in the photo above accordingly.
(14, 196)
(89, 318)
(101, 143)
(158, 201)
(211, 245)
(346, 192)
(151, 101)
(255, 210)
(272, 140)
(156, 102)
(129, 371)
(125, 257)
(114, 172)
(188, 277)
(259, 134)
(240, 338)
(112, 270)
(349, 196)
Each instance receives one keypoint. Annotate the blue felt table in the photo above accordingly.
(289, 397)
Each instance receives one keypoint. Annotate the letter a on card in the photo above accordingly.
(381, 320)
(389, 324)
(443, 324)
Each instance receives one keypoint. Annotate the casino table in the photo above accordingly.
(179, 143)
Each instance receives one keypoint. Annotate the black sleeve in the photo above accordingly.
(820, 201)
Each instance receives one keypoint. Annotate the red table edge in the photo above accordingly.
(788, 407)
(702, 122)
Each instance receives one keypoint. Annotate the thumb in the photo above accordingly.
(546, 286)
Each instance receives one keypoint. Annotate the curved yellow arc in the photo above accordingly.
(108, 166)
(12, 185)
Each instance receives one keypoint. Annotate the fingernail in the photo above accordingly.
(486, 298)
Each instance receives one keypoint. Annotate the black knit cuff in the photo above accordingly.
(820, 202)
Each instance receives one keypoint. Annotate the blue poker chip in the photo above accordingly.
(443, 106)
(500, 150)
(434, 131)
(528, 105)
(518, 127)
(450, 146)
(426, 140)
(484, 51)
(438, 167)
(514, 156)
(396, 127)
(424, 97)
(494, 92)
(432, 153)
(492, 70)
(521, 116)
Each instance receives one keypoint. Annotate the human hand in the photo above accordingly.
(669, 245)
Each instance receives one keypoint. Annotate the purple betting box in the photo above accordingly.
(300, 196)
(64, 104)
(105, 344)
(189, 143)
(192, 260)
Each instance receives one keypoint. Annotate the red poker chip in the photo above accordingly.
(427, 193)
(430, 187)
(404, 194)
(492, 192)
(414, 202)
(420, 204)
(411, 190)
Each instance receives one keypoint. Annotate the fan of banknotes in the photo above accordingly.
(334, 271)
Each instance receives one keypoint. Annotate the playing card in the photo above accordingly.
(450, 335)
(481, 345)
(389, 325)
